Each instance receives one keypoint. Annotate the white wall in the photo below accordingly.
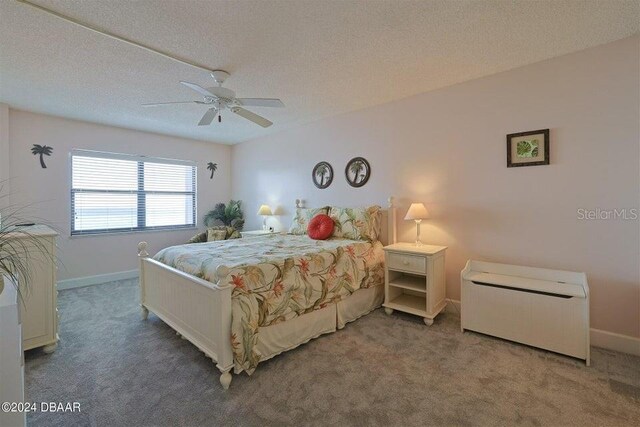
(446, 148)
(49, 189)
(4, 155)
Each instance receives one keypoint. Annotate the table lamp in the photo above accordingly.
(265, 211)
(417, 212)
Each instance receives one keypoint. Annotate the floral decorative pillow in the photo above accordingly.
(357, 223)
(222, 232)
(213, 235)
(302, 218)
(199, 238)
(232, 233)
(217, 232)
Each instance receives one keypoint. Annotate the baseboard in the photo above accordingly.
(96, 280)
(616, 342)
(599, 338)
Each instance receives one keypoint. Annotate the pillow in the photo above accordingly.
(320, 227)
(302, 218)
(232, 233)
(214, 234)
(217, 232)
(199, 238)
(357, 223)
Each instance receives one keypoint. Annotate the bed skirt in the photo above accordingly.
(281, 337)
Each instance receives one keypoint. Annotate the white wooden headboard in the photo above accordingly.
(388, 232)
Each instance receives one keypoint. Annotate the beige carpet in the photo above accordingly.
(379, 370)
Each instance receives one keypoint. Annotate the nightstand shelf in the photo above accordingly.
(407, 281)
(415, 280)
(412, 304)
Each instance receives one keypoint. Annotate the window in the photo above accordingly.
(118, 192)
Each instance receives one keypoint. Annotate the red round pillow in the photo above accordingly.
(320, 227)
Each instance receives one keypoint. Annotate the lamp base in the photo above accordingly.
(418, 242)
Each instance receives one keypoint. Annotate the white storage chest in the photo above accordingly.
(543, 308)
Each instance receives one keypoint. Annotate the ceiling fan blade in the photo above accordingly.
(199, 89)
(160, 104)
(260, 102)
(208, 117)
(259, 120)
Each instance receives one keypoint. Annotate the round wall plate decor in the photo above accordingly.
(322, 175)
(357, 172)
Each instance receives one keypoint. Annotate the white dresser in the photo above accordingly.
(39, 313)
(11, 356)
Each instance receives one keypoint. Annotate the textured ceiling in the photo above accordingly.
(320, 57)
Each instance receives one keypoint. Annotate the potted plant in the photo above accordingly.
(229, 214)
(16, 246)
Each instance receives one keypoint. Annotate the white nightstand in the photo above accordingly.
(255, 233)
(415, 280)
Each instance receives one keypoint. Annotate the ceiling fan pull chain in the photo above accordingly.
(219, 118)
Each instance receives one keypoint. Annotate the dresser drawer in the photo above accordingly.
(411, 263)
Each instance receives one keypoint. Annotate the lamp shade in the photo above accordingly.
(417, 211)
(264, 210)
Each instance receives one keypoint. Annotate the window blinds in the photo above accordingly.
(117, 192)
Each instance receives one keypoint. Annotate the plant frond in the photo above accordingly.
(226, 214)
(19, 248)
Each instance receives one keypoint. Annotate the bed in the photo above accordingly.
(242, 302)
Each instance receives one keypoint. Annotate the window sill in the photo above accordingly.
(120, 233)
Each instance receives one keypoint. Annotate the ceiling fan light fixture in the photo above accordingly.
(219, 76)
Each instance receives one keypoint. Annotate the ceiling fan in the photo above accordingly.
(219, 98)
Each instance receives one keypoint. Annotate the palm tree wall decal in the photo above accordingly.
(213, 167)
(42, 150)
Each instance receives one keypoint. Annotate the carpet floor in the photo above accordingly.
(379, 370)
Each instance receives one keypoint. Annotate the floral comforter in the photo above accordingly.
(277, 278)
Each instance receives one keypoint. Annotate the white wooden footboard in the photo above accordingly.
(196, 309)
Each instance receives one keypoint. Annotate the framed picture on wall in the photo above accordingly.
(322, 175)
(357, 172)
(528, 148)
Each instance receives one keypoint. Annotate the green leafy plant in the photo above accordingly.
(229, 214)
(17, 246)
